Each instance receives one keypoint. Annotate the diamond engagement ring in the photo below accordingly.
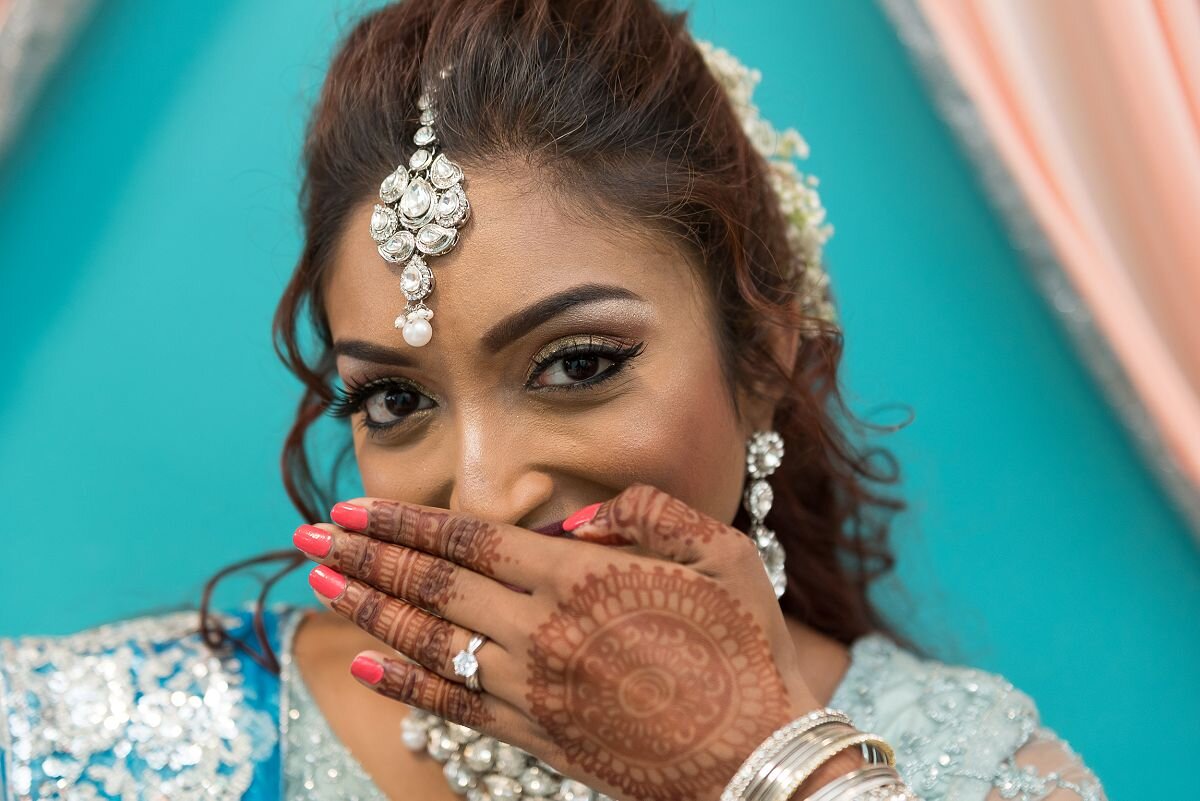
(465, 663)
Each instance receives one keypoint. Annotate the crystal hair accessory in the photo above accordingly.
(423, 203)
(797, 193)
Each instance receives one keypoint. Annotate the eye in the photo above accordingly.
(386, 402)
(580, 362)
(389, 406)
(573, 369)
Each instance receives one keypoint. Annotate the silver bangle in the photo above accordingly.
(793, 753)
(805, 758)
(857, 782)
(788, 787)
(766, 753)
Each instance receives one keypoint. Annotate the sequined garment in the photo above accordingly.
(141, 709)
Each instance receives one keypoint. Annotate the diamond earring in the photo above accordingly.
(764, 454)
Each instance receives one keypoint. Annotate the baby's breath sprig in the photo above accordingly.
(799, 200)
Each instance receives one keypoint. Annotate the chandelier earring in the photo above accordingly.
(764, 454)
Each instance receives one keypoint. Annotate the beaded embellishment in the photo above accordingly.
(135, 709)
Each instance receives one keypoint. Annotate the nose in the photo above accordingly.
(496, 476)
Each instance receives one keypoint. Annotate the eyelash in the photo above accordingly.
(353, 397)
(620, 355)
(349, 401)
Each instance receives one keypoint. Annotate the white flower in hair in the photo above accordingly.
(797, 192)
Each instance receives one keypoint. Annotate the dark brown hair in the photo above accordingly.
(613, 105)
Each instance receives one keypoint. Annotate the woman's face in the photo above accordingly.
(567, 362)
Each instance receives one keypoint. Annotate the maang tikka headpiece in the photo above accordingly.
(425, 202)
(423, 205)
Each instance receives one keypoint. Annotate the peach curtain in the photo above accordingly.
(1084, 116)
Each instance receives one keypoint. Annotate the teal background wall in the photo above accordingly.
(148, 223)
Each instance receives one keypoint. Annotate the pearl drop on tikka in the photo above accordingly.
(415, 325)
(418, 333)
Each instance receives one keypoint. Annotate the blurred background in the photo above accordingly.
(148, 180)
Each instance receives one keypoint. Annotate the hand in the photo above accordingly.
(649, 671)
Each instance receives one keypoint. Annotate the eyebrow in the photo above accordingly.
(371, 352)
(521, 322)
(502, 333)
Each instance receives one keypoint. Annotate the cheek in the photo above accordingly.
(693, 453)
(400, 474)
(679, 434)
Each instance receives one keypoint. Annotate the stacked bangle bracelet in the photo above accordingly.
(793, 753)
(864, 783)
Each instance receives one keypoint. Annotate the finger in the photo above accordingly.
(416, 686)
(507, 553)
(661, 524)
(428, 640)
(437, 585)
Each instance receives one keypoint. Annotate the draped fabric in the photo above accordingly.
(33, 35)
(1084, 120)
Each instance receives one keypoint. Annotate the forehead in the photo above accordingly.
(519, 245)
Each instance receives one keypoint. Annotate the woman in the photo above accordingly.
(581, 328)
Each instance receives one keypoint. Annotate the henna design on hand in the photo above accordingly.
(464, 540)
(426, 580)
(667, 521)
(408, 629)
(405, 573)
(656, 681)
(412, 685)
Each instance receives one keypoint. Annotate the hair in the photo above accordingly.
(614, 96)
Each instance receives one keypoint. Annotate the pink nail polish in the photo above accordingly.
(584, 515)
(312, 540)
(327, 581)
(367, 669)
(349, 516)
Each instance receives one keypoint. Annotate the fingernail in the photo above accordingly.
(312, 540)
(347, 515)
(584, 515)
(326, 581)
(367, 669)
